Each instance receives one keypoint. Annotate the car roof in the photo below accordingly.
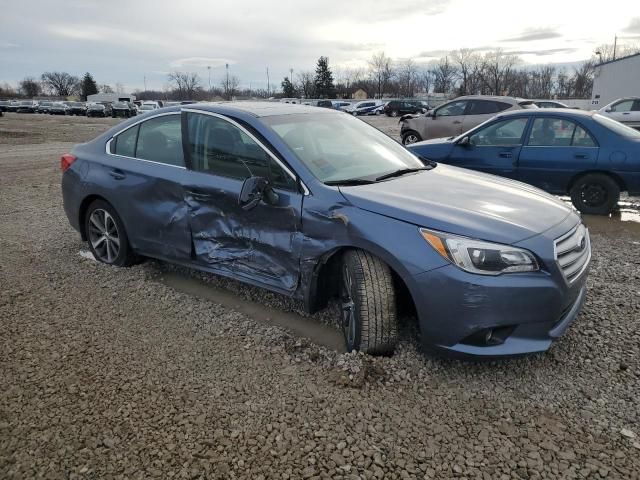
(502, 98)
(257, 109)
(540, 112)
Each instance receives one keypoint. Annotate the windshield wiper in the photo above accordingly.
(350, 181)
(401, 172)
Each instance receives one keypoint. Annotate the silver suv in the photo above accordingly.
(457, 116)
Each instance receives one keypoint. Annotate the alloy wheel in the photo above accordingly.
(594, 195)
(348, 314)
(104, 236)
(410, 138)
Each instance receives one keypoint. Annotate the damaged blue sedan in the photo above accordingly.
(315, 204)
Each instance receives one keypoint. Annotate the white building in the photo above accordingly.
(111, 97)
(616, 79)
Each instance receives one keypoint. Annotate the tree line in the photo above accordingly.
(460, 72)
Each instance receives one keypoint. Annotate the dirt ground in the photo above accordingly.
(156, 371)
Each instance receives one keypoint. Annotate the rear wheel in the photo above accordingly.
(410, 137)
(595, 194)
(106, 235)
(368, 307)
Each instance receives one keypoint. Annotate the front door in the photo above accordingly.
(626, 111)
(261, 245)
(493, 148)
(446, 120)
(555, 151)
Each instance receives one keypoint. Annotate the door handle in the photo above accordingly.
(505, 154)
(117, 174)
(580, 155)
(626, 113)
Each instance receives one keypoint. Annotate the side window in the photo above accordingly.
(502, 133)
(125, 143)
(501, 106)
(160, 140)
(636, 106)
(482, 107)
(581, 138)
(624, 106)
(220, 148)
(451, 109)
(551, 132)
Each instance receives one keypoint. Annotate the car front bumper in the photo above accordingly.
(525, 312)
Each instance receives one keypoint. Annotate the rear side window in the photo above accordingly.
(625, 106)
(556, 132)
(484, 107)
(158, 139)
(125, 143)
(220, 148)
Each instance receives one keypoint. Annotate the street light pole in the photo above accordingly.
(209, 70)
(268, 82)
(228, 89)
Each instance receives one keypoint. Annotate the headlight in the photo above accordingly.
(480, 257)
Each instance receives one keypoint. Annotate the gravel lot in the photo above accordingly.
(160, 372)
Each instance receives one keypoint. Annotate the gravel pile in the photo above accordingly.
(110, 373)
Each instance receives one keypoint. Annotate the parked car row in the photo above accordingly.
(90, 109)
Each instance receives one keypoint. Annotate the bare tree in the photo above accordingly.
(306, 85)
(444, 76)
(105, 88)
(407, 77)
(496, 70)
(607, 51)
(381, 71)
(230, 86)
(425, 80)
(30, 87)
(185, 84)
(583, 79)
(60, 83)
(469, 65)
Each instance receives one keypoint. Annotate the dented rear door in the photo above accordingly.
(261, 245)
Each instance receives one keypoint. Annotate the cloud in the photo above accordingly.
(542, 53)
(433, 53)
(633, 28)
(532, 34)
(8, 45)
(202, 62)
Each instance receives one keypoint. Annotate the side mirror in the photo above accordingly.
(254, 190)
(464, 141)
(609, 110)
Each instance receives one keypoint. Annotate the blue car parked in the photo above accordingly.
(586, 155)
(314, 204)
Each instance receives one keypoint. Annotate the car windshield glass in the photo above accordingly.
(616, 126)
(26, 102)
(340, 147)
(146, 107)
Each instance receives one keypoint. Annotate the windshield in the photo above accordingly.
(146, 107)
(76, 104)
(26, 102)
(340, 147)
(616, 126)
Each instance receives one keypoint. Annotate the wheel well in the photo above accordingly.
(327, 284)
(612, 175)
(83, 211)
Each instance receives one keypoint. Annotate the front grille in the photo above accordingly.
(573, 252)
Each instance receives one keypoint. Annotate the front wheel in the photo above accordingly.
(410, 137)
(106, 235)
(394, 113)
(368, 304)
(595, 194)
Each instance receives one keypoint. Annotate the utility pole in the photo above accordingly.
(144, 79)
(615, 44)
(267, 82)
(209, 70)
(227, 84)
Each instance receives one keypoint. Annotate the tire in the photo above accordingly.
(595, 194)
(112, 248)
(355, 114)
(394, 113)
(410, 137)
(368, 304)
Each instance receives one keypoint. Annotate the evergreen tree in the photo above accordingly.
(88, 86)
(324, 79)
(288, 89)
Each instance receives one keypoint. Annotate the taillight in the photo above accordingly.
(66, 160)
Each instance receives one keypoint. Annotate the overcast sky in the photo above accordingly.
(126, 41)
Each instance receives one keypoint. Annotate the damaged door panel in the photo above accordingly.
(261, 244)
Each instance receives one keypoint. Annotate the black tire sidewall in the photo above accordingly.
(356, 309)
(410, 132)
(608, 183)
(126, 255)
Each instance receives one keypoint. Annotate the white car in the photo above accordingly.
(625, 110)
(148, 107)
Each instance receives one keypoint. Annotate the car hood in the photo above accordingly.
(434, 141)
(463, 202)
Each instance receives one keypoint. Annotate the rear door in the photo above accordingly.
(555, 150)
(261, 245)
(142, 177)
(479, 111)
(494, 148)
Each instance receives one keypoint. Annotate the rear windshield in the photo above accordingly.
(528, 104)
(616, 126)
